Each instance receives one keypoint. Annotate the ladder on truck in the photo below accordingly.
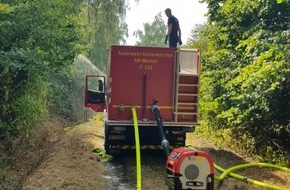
(187, 86)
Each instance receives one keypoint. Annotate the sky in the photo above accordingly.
(188, 12)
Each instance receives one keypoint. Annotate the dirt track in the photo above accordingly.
(71, 165)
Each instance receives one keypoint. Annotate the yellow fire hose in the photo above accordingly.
(249, 180)
(137, 142)
(229, 171)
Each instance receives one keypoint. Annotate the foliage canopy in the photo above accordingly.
(246, 71)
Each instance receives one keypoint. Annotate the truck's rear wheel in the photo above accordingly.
(106, 143)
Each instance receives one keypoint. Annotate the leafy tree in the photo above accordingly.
(153, 34)
(106, 26)
(246, 71)
(38, 38)
(199, 38)
(39, 41)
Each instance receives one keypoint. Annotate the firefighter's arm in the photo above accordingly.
(169, 29)
(179, 35)
(168, 32)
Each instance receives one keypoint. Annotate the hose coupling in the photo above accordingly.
(245, 179)
(165, 143)
(154, 105)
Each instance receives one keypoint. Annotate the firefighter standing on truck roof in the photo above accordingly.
(173, 30)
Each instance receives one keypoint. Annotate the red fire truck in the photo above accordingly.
(161, 83)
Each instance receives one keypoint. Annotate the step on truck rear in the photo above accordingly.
(144, 77)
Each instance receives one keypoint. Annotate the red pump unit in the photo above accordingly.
(189, 169)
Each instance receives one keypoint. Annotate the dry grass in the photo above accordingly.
(71, 164)
(65, 161)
